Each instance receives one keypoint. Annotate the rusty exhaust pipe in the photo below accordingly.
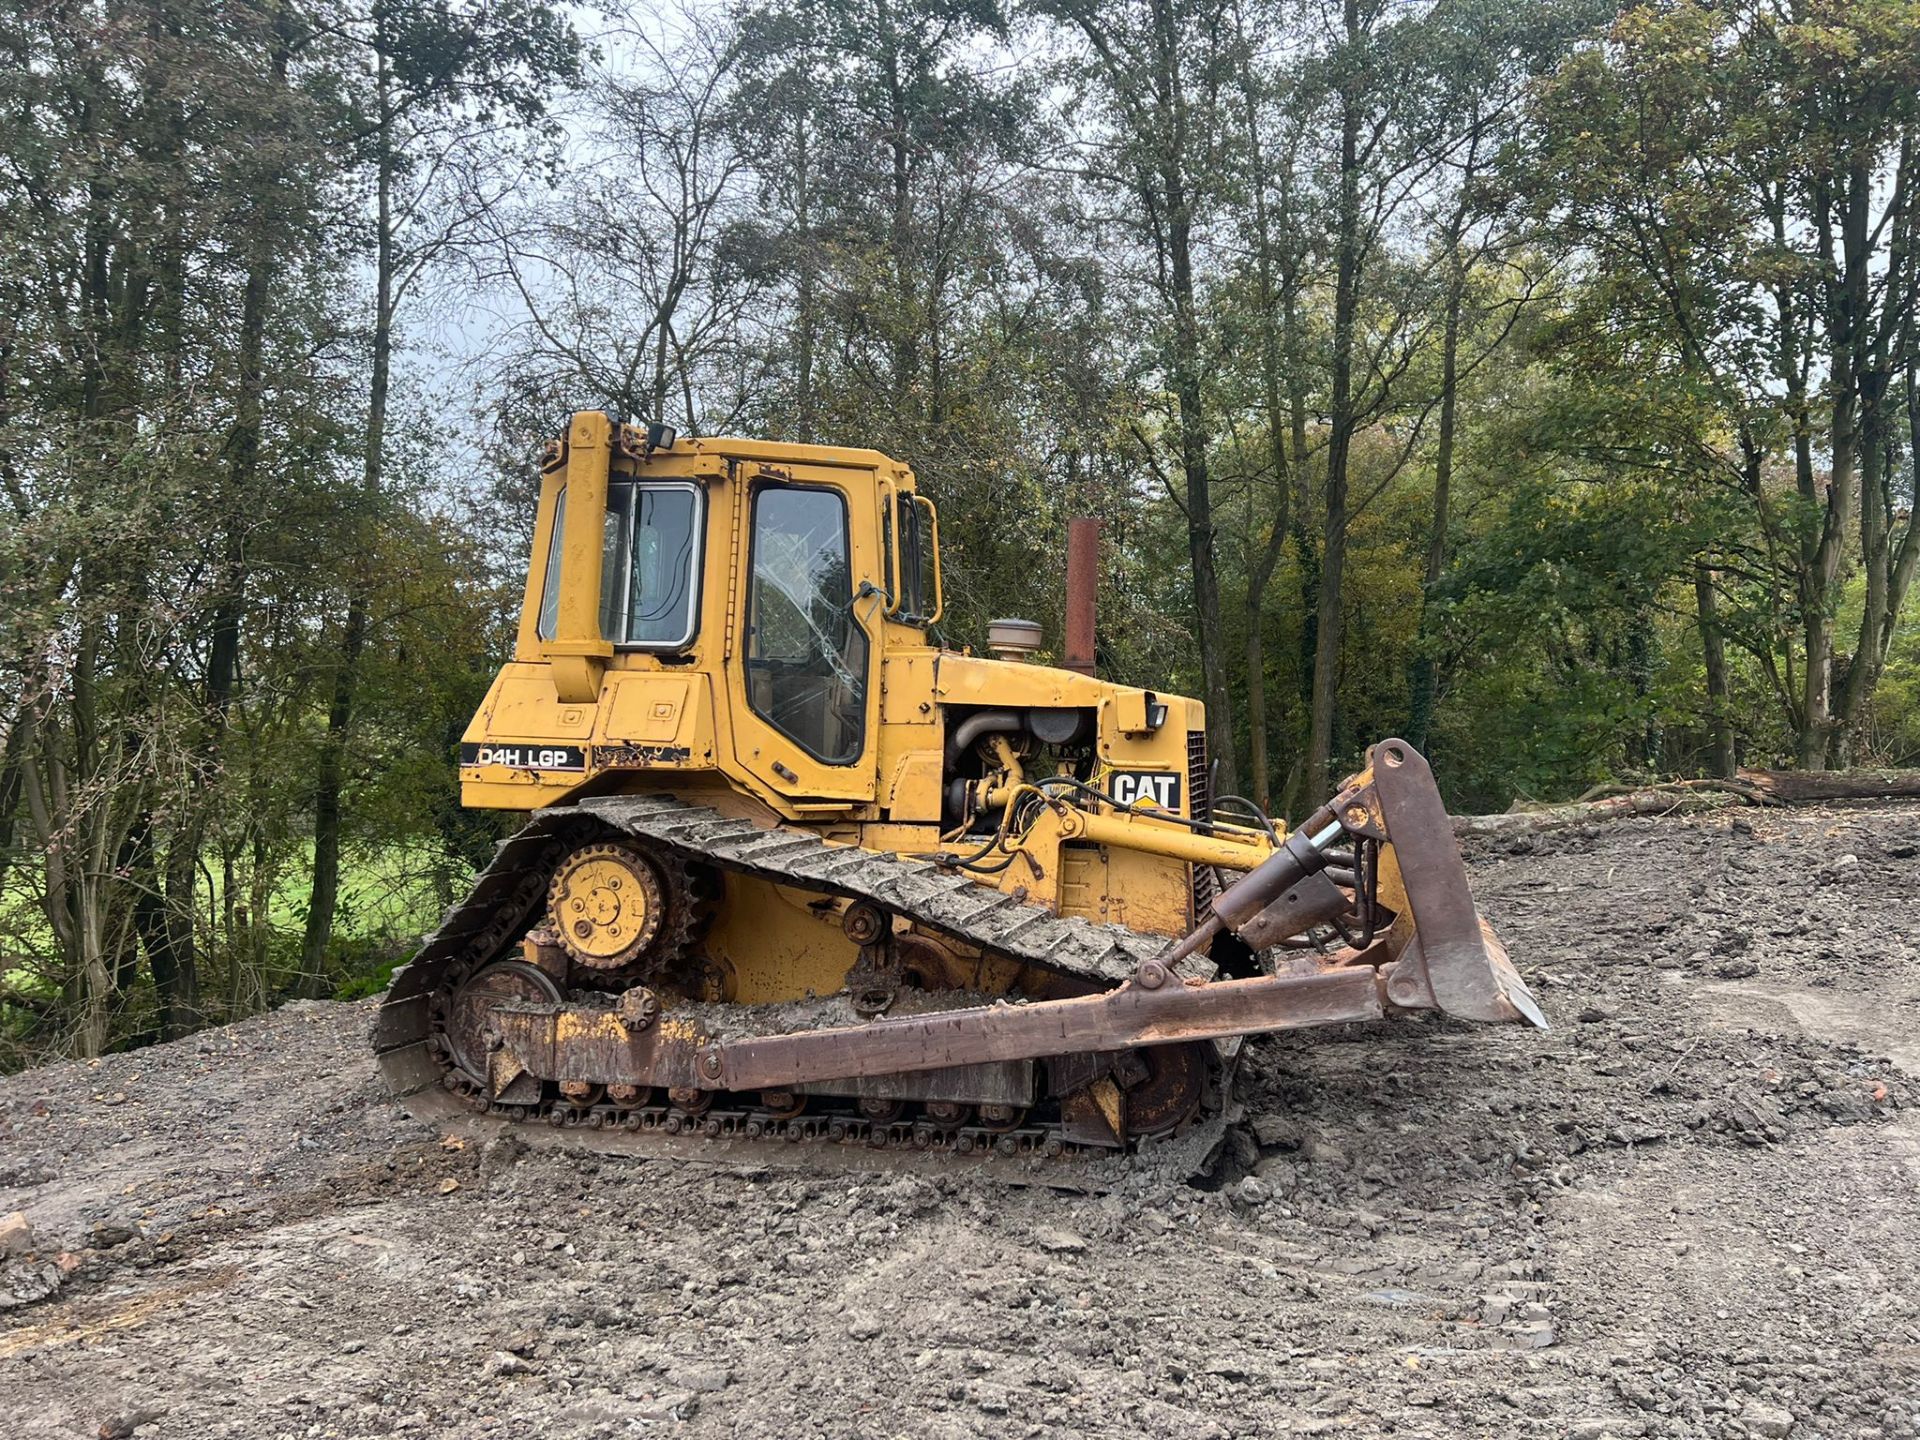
(1083, 588)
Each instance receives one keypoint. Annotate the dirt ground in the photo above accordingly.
(1689, 1210)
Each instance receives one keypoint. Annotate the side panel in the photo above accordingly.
(526, 747)
(652, 720)
(912, 764)
(502, 764)
(1107, 884)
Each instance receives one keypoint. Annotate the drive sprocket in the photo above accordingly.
(623, 910)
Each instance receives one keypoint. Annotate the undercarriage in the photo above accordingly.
(573, 988)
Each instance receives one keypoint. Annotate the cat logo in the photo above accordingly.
(1160, 787)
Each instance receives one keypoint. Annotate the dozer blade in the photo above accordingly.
(1467, 969)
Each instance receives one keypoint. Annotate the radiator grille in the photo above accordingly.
(1199, 782)
(1204, 880)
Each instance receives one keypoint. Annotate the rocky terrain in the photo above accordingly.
(1688, 1210)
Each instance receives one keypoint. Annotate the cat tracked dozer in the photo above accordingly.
(801, 881)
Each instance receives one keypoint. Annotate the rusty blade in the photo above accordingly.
(563, 1043)
(1111, 1021)
(1469, 977)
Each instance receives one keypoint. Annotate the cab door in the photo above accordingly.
(802, 667)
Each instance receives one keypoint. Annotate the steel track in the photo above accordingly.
(508, 893)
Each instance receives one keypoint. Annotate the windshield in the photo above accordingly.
(806, 657)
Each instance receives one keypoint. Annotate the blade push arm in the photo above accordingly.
(1440, 953)
(1436, 954)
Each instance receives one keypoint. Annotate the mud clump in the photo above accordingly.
(1685, 1211)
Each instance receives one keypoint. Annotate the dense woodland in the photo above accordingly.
(1540, 382)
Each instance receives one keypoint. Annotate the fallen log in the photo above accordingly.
(1650, 801)
(1812, 787)
(1687, 797)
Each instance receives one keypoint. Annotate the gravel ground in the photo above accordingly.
(1689, 1210)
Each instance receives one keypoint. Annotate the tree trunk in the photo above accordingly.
(1713, 652)
(1423, 678)
(1263, 561)
(1847, 323)
(1340, 426)
(329, 771)
(1189, 396)
(1800, 787)
(804, 307)
(1326, 649)
(1889, 569)
(901, 221)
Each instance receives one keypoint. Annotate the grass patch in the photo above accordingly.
(389, 898)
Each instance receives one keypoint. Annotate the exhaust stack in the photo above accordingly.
(1083, 588)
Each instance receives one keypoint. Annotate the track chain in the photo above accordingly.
(507, 894)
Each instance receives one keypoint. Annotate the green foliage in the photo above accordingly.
(1577, 342)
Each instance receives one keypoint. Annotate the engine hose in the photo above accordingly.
(965, 862)
(1260, 817)
(981, 722)
(976, 869)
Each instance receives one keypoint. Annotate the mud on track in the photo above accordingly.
(1693, 1209)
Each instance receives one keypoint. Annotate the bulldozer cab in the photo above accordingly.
(707, 605)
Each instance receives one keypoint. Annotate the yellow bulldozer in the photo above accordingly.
(797, 872)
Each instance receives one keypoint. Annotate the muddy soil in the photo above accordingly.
(1689, 1210)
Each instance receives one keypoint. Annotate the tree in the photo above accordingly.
(1767, 260)
(1159, 67)
(441, 85)
(653, 319)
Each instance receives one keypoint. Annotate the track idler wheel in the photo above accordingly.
(469, 1015)
(608, 904)
(1168, 1094)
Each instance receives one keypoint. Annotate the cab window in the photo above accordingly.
(806, 656)
(649, 565)
(915, 576)
(550, 587)
(649, 570)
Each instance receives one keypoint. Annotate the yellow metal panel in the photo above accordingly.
(1130, 713)
(1083, 881)
(901, 839)
(1102, 882)
(647, 708)
(912, 766)
(523, 709)
(652, 719)
(913, 787)
(1126, 747)
(778, 943)
(523, 705)
(1147, 892)
(970, 680)
(490, 788)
